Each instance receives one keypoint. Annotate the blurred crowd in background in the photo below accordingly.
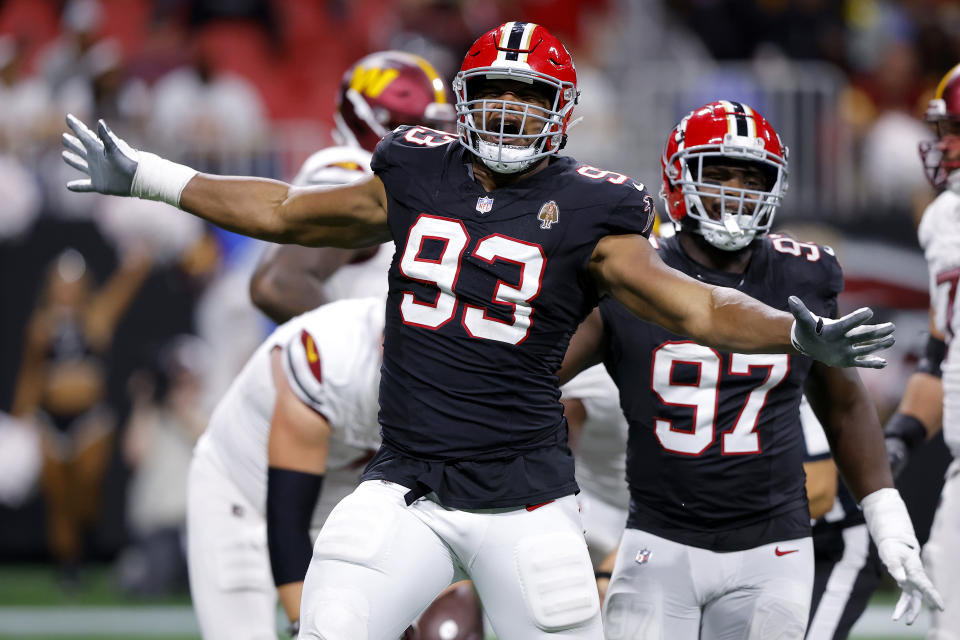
(123, 321)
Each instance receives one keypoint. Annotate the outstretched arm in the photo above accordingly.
(350, 216)
(849, 418)
(850, 421)
(726, 319)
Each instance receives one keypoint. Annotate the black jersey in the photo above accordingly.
(485, 290)
(716, 449)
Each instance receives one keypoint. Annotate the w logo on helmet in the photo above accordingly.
(371, 82)
(549, 214)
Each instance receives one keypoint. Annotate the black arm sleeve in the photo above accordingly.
(291, 498)
(933, 356)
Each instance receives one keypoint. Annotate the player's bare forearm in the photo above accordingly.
(348, 216)
(849, 418)
(923, 396)
(289, 279)
(923, 399)
(821, 486)
(289, 595)
(719, 317)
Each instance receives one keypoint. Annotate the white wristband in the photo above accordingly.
(159, 179)
(887, 516)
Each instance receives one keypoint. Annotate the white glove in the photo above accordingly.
(890, 527)
(115, 168)
(844, 342)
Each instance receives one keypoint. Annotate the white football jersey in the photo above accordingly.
(332, 358)
(601, 456)
(939, 235)
(337, 166)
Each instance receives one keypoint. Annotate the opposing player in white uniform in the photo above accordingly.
(598, 436)
(321, 370)
(932, 395)
(378, 93)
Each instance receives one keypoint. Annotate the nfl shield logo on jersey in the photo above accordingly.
(484, 205)
(549, 214)
(643, 556)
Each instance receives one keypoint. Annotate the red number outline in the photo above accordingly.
(436, 301)
(716, 400)
(509, 285)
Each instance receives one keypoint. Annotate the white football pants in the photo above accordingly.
(941, 558)
(664, 590)
(230, 581)
(378, 563)
(603, 524)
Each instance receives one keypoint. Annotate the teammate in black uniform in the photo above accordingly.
(502, 248)
(718, 535)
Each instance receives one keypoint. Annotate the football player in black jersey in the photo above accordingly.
(502, 248)
(718, 542)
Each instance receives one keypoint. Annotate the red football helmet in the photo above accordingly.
(527, 53)
(941, 157)
(723, 132)
(387, 89)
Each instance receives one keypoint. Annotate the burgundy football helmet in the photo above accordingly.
(941, 157)
(527, 53)
(387, 89)
(716, 133)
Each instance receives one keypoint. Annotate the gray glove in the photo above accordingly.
(845, 342)
(109, 162)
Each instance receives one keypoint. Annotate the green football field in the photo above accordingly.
(34, 607)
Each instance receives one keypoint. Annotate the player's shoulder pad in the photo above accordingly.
(807, 264)
(303, 368)
(334, 165)
(618, 189)
(941, 216)
(414, 137)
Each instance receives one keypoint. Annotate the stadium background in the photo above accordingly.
(235, 86)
